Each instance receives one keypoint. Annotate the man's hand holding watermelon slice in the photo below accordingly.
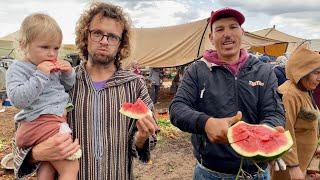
(145, 123)
(146, 127)
(217, 128)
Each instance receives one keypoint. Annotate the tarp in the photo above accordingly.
(276, 50)
(5, 48)
(167, 46)
(315, 44)
(8, 44)
(265, 45)
(178, 45)
(275, 34)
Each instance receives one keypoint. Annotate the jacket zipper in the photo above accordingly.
(236, 91)
(202, 90)
(235, 86)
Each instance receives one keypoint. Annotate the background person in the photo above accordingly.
(302, 113)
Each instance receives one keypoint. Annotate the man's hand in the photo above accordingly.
(217, 128)
(146, 126)
(57, 147)
(296, 173)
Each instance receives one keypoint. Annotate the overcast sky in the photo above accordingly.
(298, 18)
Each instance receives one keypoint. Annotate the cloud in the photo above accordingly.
(300, 24)
(273, 7)
(155, 13)
(195, 10)
(66, 14)
(300, 18)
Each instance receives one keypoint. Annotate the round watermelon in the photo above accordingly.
(258, 142)
(135, 110)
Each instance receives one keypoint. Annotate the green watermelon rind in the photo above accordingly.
(135, 115)
(259, 156)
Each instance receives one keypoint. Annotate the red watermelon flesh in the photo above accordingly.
(135, 110)
(258, 141)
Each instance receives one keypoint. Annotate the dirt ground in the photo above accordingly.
(171, 159)
(6, 134)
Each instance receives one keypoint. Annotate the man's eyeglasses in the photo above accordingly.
(97, 36)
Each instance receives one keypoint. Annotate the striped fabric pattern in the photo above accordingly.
(21, 168)
(105, 135)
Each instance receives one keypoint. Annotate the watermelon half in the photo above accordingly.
(135, 110)
(258, 142)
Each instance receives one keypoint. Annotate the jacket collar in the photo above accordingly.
(119, 77)
(248, 63)
(209, 64)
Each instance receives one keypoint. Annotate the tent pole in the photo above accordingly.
(204, 32)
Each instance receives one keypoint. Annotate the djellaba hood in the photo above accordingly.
(302, 62)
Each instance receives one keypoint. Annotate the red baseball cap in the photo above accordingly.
(215, 15)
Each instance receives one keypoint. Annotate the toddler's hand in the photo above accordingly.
(64, 66)
(46, 67)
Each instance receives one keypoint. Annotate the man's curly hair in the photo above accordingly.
(109, 11)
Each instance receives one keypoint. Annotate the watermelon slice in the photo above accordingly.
(135, 110)
(258, 142)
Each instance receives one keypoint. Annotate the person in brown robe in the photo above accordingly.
(302, 114)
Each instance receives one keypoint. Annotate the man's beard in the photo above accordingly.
(102, 60)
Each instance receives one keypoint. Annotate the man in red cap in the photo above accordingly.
(225, 86)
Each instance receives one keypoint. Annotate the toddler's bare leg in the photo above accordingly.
(46, 171)
(67, 170)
